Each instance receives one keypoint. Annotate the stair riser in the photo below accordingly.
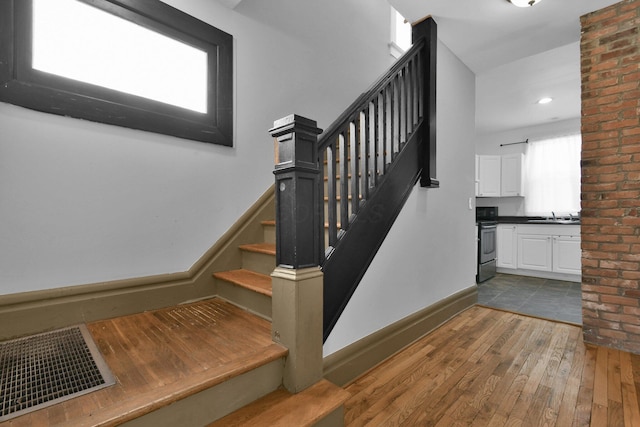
(211, 404)
(326, 231)
(269, 233)
(258, 262)
(253, 301)
(334, 419)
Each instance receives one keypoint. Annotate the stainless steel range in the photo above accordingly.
(487, 222)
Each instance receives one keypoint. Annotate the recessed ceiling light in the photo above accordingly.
(545, 100)
(523, 3)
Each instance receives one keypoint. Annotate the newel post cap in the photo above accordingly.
(294, 122)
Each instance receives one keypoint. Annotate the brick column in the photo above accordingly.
(610, 64)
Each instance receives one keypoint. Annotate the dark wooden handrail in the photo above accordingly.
(323, 139)
(365, 140)
(361, 170)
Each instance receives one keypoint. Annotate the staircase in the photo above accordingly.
(370, 159)
(226, 360)
(250, 286)
(209, 361)
(337, 196)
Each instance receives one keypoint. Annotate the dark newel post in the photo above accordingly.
(297, 175)
(427, 29)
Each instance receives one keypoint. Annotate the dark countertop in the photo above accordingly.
(533, 220)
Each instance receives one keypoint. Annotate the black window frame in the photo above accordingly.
(24, 86)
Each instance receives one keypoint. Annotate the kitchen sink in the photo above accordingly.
(553, 221)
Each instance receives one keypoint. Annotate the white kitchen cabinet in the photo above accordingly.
(507, 250)
(567, 255)
(477, 176)
(511, 175)
(489, 175)
(499, 176)
(551, 250)
(535, 252)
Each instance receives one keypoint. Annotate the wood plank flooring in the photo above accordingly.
(161, 356)
(488, 367)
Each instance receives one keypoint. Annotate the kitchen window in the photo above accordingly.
(552, 176)
(132, 63)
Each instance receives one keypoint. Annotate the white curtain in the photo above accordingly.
(552, 182)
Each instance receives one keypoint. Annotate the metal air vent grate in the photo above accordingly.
(45, 369)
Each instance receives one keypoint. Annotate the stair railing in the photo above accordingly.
(362, 168)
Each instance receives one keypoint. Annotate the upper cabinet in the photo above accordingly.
(489, 168)
(499, 176)
(511, 176)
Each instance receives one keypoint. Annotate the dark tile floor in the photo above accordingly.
(550, 299)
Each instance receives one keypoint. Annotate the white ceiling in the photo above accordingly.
(518, 55)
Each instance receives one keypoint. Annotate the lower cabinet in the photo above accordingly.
(545, 250)
(535, 252)
(506, 251)
(567, 255)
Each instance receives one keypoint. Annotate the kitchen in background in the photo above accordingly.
(536, 265)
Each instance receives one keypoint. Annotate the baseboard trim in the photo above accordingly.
(349, 363)
(541, 274)
(38, 311)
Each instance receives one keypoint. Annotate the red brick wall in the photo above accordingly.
(610, 56)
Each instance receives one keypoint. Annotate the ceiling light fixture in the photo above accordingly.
(523, 3)
(545, 100)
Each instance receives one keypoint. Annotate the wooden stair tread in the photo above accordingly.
(257, 282)
(281, 408)
(263, 248)
(269, 222)
(152, 400)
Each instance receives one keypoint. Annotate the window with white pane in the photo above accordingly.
(400, 34)
(552, 182)
(141, 64)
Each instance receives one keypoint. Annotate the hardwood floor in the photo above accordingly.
(489, 367)
(485, 367)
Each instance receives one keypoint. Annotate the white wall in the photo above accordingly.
(430, 252)
(490, 144)
(82, 202)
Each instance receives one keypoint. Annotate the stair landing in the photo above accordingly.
(164, 356)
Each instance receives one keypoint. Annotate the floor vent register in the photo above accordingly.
(46, 369)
